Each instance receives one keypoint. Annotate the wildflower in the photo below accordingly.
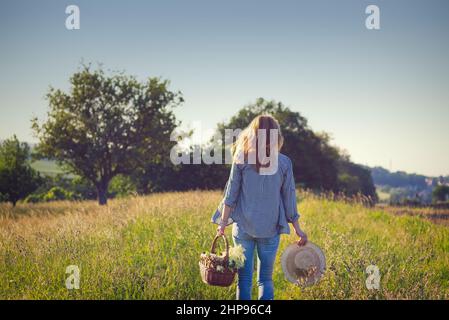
(236, 257)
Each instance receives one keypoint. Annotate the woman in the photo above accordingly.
(260, 198)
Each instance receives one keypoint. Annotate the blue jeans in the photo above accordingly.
(266, 254)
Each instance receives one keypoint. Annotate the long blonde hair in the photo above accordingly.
(248, 140)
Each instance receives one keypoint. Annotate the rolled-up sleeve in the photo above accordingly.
(233, 186)
(288, 193)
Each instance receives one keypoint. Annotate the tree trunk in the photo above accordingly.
(102, 193)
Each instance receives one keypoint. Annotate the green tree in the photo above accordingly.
(107, 125)
(440, 193)
(354, 179)
(314, 159)
(17, 178)
(122, 186)
(316, 163)
(58, 193)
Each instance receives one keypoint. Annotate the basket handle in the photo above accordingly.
(212, 249)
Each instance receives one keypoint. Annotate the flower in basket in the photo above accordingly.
(236, 257)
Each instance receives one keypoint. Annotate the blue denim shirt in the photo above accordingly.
(262, 205)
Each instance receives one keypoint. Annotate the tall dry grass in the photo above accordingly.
(148, 248)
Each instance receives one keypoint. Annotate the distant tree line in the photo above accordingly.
(398, 179)
(410, 189)
(112, 133)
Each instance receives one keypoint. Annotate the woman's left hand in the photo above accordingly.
(302, 237)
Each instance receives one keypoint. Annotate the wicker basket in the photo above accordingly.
(210, 275)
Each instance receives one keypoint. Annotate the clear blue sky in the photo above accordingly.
(383, 95)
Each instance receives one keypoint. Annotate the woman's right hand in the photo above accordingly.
(221, 230)
(302, 237)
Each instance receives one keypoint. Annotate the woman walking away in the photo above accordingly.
(260, 198)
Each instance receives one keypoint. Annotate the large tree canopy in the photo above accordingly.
(107, 125)
(17, 178)
(314, 160)
(316, 164)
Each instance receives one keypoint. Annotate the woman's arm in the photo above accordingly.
(231, 196)
(288, 192)
(301, 234)
(224, 217)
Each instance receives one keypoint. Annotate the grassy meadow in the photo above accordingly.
(148, 248)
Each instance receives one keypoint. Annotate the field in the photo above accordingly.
(440, 216)
(148, 248)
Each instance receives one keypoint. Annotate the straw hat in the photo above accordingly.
(303, 265)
